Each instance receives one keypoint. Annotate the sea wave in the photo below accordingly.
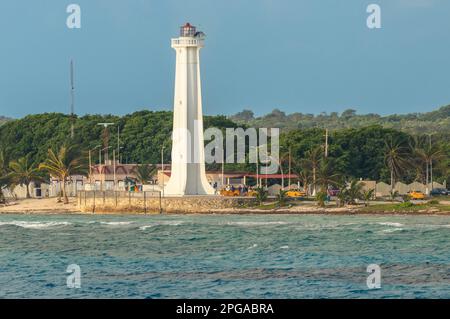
(163, 223)
(256, 223)
(391, 224)
(116, 223)
(34, 225)
(391, 230)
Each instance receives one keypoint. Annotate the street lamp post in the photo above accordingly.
(223, 169)
(119, 158)
(101, 150)
(258, 182)
(90, 163)
(114, 168)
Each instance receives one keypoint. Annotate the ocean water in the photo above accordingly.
(224, 256)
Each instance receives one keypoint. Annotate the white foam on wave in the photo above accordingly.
(162, 223)
(256, 223)
(391, 224)
(391, 230)
(284, 247)
(35, 225)
(116, 223)
(253, 246)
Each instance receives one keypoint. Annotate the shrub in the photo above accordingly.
(406, 205)
(282, 198)
(261, 195)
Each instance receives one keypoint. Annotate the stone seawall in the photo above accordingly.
(110, 202)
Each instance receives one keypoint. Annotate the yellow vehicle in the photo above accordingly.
(229, 193)
(251, 193)
(295, 193)
(416, 195)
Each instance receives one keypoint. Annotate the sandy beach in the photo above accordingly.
(39, 206)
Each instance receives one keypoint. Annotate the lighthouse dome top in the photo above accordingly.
(188, 30)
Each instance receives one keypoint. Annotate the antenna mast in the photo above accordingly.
(72, 105)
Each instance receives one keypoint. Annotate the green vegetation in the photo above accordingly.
(63, 164)
(415, 123)
(349, 194)
(367, 196)
(23, 173)
(4, 175)
(261, 195)
(396, 157)
(141, 135)
(3, 120)
(370, 153)
(321, 198)
(282, 198)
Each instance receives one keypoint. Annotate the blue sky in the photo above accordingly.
(304, 56)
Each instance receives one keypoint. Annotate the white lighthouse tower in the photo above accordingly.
(188, 159)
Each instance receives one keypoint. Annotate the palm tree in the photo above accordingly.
(427, 154)
(348, 194)
(4, 175)
(393, 195)
(396, 158)
(354, 191)
(67, 162)
(326, 175)
(282, 197)
(367, 195)
(304, 175)
(311, 162)
(321, 197)
(342, 196)
(23, 173)
(261, 194)
(145, 172)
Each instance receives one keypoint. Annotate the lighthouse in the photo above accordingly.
(188, 175)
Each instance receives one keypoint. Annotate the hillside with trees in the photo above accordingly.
(142, 134)
(415, 123)
(3, 120)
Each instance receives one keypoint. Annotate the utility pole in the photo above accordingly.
(72, 104)
(90, 168)
(162, 164)
(118, 143)
(289, 177)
